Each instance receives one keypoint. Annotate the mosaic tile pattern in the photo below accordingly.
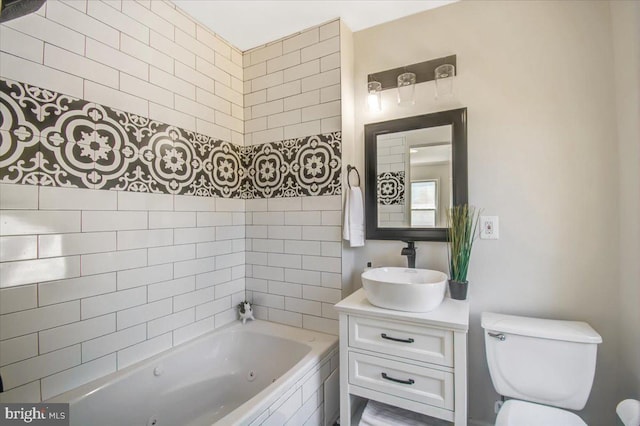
(391, 188)
(294, 167)
(51, 139)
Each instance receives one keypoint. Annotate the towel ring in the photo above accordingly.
(350, 169)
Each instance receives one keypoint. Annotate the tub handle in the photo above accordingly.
(395, 339)
(498, 336)
(404, 382)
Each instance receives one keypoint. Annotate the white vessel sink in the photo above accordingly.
(404, 289)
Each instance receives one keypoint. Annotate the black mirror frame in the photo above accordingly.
(457, 118)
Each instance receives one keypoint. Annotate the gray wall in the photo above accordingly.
(542, 156)
(626, 37)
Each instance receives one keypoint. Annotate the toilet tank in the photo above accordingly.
(550, 362)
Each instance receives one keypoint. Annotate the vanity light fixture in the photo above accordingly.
(374, 98)
(405, 78)
(406, 89)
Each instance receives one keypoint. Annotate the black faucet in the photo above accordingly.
(410, 252)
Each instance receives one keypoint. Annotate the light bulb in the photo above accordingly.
(406, 89)
(374, 98)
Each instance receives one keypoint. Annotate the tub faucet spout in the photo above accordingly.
(410, 252)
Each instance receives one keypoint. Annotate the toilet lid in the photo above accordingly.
(520, 413)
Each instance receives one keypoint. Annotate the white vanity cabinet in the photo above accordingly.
(416, 361)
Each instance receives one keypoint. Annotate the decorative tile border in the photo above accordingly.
(51, 139)
(391, 188)
(294, 167)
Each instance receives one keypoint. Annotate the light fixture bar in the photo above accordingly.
(424, 71)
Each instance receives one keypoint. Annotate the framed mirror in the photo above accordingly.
(415, 169)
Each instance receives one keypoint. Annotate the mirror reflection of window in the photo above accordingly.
(424, 203)
(430, 161)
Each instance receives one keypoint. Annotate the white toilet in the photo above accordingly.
(541, 364)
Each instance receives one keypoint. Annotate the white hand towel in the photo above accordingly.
(379, 414)
(353, 229)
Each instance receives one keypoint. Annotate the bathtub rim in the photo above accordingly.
(321, 345)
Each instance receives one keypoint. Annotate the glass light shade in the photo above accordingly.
(444, 80)
(374, 98)
(406, 89)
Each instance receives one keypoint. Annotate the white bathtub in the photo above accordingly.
(232, 376)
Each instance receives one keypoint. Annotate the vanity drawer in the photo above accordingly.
(413, 382)
(402, 339)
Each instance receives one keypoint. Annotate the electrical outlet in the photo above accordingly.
(489, 227)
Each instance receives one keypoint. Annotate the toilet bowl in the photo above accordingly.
(520, 413)
(542, 364)
(629, 412)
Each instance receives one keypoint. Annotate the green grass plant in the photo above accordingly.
(462, 222)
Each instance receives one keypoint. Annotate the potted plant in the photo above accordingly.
(462, 222)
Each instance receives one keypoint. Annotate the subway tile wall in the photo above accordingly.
(293, 260)
(294, 249)
(145, 58)
(292, 86)
(94, 281)
(304, 402)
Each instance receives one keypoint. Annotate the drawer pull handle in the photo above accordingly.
(404, 382)
(395, 339)
(498, 336)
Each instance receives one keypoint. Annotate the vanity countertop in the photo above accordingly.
(451, 313)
